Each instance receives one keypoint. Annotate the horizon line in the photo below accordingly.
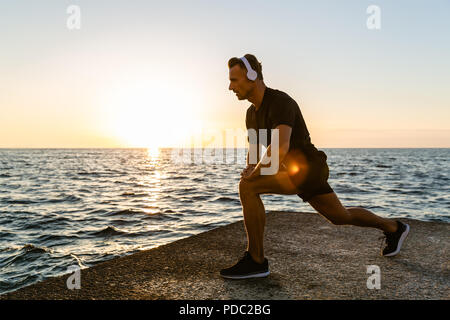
(215, 148)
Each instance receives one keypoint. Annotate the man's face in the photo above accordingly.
(239, 82)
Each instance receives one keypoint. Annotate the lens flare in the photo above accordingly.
(294, 169)
(297, 166)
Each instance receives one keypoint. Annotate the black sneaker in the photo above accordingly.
(394, 240)
(246, 268)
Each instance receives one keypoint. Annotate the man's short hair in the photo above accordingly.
(254, 63)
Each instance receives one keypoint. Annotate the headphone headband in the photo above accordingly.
(251, 74)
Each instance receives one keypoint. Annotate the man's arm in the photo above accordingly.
(252, 154)
(284, 136)
(284, 132)
(250, 166)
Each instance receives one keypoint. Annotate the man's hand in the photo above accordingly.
(247, 170)
(251, 174)
(252, 171)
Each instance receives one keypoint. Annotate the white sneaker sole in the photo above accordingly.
(248, 276)
(400, 242)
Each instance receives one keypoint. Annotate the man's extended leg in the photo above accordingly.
(329, 206)
(253, 207)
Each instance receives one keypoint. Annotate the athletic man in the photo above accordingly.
(303, 170)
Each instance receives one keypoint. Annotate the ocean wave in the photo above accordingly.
(126, 212)
(13, 186)
(148, 233)
(445, 201)
(383, 166)
(97, 211)
(109, 231)
(139, 185)
(34, 248)
(417, 192)
(56, 220)
(82, 173)
(4, 235)
(24, 254)
(54, 237)
(69, 198)
(184, 190)
(226, 199)
(186, 200)
(394, 190)
(168, 196)
(150, 207)
(97, 174)
(115, 171)
(177, 178)
(421, 174)
(169, 217)
(124, 222)
(19, 281)
(409, 192)
(200, 198)
(21, 201)
(349, 189)
(135, 195)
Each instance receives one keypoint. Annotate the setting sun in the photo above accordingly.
(150, 115)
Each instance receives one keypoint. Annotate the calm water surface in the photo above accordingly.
(63, 207)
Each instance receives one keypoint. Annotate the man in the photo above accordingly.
(303, 170)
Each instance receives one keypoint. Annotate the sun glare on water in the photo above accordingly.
(153, 152)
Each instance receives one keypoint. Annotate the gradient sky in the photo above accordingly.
(142, 73)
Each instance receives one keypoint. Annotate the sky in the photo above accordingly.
(154, 73)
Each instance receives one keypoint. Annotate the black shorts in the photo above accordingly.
(316, 180)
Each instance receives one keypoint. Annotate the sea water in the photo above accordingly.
(65, 207)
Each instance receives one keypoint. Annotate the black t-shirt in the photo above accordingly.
(278, 108)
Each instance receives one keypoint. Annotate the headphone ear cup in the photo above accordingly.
(252, 75)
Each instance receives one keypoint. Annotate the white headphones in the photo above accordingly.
(251, 74)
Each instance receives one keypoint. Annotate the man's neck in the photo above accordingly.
(257, 96)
